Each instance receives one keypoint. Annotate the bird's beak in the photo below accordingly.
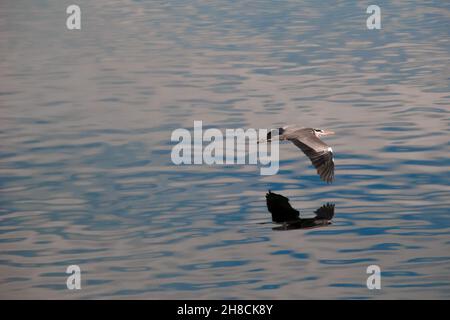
(327, 133)
(261, 141)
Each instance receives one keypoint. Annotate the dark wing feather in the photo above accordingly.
(325, 212)
(319, 153)
(280, 208)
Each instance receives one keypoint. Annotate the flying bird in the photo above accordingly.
(308, 140)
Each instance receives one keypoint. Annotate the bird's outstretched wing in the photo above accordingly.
(280, 208)
(325, 212)
(320, 154)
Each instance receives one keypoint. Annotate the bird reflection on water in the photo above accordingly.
(289, 218)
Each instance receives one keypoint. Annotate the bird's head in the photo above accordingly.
(273, 134)
(321, 132)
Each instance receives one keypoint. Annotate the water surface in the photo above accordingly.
(86, 176)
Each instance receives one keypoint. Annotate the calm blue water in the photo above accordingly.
(86, 176)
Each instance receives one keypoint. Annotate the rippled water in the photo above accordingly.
(86, 176)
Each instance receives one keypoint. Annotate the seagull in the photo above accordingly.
(307, 139)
